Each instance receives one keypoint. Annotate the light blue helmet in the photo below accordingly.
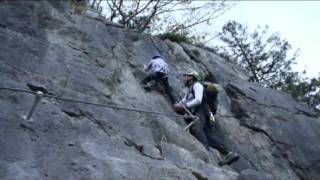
(156, 56)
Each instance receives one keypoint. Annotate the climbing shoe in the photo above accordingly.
(229, 158)
(147, 86)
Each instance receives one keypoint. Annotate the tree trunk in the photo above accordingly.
(99, 4)
(93, 2)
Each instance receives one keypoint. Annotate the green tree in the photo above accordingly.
(266, 58)
(304, 89)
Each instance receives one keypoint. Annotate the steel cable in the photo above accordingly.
(91, 103)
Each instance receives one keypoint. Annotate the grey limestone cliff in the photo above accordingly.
(77, 57)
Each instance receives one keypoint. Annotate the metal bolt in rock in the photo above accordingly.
(36, 101)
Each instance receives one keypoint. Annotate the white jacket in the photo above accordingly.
(193, 99)
(157, 65)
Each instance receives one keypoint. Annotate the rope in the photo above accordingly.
(91, 103)
(18, 90)
(191, 115)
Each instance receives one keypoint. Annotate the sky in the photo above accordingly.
(296, 21)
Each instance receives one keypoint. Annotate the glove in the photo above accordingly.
(178, 108)
(145, 67)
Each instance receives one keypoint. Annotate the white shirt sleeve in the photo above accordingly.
(198, 94)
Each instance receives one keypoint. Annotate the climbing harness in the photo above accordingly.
(195, 118)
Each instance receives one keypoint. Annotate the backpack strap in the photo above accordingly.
(191, 90)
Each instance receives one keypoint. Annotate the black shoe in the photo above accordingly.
(147, 86)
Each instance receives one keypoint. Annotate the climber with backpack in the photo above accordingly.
(158, 71)
(201, 102)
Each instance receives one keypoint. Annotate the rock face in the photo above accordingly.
(80, 58)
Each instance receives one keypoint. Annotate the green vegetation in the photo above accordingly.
(64, 82)
(79, 6)
(176, 37)
(267, 60)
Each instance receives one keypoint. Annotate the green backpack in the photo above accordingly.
(210, 96)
